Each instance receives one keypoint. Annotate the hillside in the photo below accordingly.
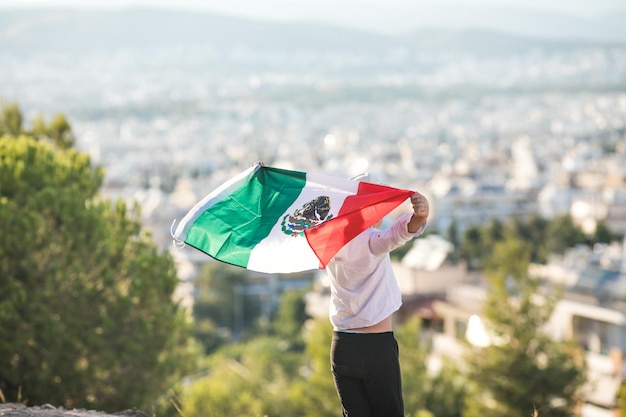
(82, 31)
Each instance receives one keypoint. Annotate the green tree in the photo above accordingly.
(621, 399)
(58, 131)
(446, 392)
(603, 234)
(452, 234)
(533, 232)
(472, 247)
(561, 234)
(214, 308)
(413, 357)
(271, 376)
(291, 316)
(542, 236)
(316, 393)
(245, 379)
(440, 395)
(492, 233)
(86, 311)
(11, 120)
(478, 241)
(523, 369)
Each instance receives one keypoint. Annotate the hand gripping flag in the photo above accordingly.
(278, 221)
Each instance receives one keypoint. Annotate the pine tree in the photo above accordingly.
(86, 311)
(523, 369)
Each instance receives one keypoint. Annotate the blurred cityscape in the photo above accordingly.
(485, 124)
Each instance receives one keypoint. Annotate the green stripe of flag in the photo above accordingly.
(231, 228)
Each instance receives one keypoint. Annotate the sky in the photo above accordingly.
(390, 16)
(288, 9)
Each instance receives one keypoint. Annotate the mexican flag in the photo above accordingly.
(279, 221)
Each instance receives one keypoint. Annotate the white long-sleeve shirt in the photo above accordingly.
(364, 290)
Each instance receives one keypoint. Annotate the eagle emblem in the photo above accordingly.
(311, 214)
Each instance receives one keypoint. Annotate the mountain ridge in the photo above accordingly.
(71, 30)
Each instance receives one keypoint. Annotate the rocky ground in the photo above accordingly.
(47, 410)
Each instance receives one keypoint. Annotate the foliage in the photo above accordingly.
(11, 120)
(214, 304)
(603, 234)
(446, 392)
(561, 233)
(58, 132)
(471, 246)
(440, 395)
(249, 379)
(271, 376)
(86, 311)
(317, 391)
(291, 316)
(621, 399)
(533, 232)
(413, 356)
(542, 236)
(222, 311)
(452, 234)
(477, 242)
(523, 368)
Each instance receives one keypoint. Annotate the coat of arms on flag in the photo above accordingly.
(311, 214)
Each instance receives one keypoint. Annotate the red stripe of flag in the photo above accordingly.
(358, 212)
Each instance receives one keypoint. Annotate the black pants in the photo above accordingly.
(366, 371)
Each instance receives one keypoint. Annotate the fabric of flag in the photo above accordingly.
(279, 221)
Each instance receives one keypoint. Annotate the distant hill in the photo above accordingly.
(89, 30)
(490, 16)
(81, 31)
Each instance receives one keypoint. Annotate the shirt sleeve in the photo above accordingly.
(397, 235)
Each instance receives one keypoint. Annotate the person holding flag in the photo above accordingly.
(364, 295)
(273, 220)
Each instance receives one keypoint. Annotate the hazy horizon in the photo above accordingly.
(378, 15)
(531, 17)
(289, 8)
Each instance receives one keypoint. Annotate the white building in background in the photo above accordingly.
(524, 170)
(555, 199)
